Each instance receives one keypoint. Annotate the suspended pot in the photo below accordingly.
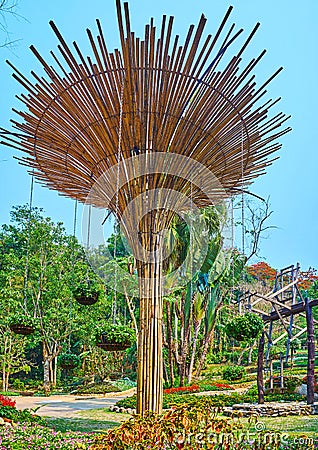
(105, 343)
(86, 292)
(87, 299)
(19, 328)
(113, 337)
(69, 361)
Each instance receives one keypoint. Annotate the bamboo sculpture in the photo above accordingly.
(141, 131)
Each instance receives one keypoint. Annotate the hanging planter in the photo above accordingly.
(22, 324)
(112, 337)
(69, 360)
(245, 327)
(87, 293)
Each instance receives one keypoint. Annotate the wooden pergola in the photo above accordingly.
(178, 121)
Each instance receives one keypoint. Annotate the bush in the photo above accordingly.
(232, 373)
(102, 388)
(22, 416)
(166, 430)
(215, 401)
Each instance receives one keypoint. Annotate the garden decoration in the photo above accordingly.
(22, 324)
(283, 305)
(114, 338)
(69, 360)
(145, 132)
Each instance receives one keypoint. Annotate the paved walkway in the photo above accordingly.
(69, 405)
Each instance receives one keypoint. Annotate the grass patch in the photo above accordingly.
(90, 421)
(292, 425)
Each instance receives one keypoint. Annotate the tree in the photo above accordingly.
(39, 265)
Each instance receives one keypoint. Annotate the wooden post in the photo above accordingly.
(281, 374)
(311, 353)
(260, 362)
(271, 379)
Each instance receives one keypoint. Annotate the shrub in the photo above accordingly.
(102, 388)
(22, 416)
(165, 431)
(215, 401)
(180, 429)
(232, 373)
(245, 327)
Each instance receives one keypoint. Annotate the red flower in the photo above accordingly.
(6, 401)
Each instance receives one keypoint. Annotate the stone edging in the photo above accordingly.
(271, 409)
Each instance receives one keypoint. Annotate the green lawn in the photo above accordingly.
(95, 420)
(292, 425)
(99, 420)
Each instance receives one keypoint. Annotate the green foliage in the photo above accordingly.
(23, 319)
(245, 327)
(215, 401)
(233, 373)
(23, 416)
(119, 334)
(101, 388)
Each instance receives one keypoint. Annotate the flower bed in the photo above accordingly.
(181, 389)
(201, 387)
(36, 437)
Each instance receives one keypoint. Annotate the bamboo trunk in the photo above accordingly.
(150, 366)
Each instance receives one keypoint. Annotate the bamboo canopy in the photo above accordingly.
(142, 130)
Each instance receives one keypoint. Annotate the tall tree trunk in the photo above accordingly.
(206, 345)
(194, 348)
(55, 371)
(250, 353)
(170, 342)
(184, 353)
(46, 370)
(239, 361)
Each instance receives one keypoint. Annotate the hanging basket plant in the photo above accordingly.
(69, 360)
(245, 327)
(87, 292)
(22, 324)
(113, 337)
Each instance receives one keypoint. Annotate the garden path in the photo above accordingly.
(68, 406)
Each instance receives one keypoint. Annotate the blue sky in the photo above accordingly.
(289, 33)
